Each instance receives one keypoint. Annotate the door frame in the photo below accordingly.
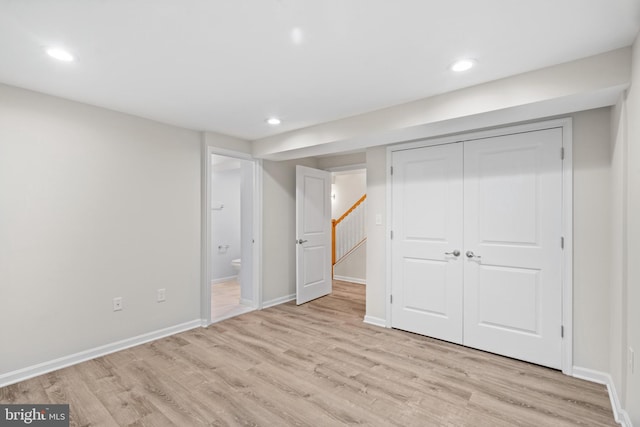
(566, 124)
(206, 247)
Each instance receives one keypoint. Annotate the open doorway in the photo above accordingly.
(231, 234)
(348, 213)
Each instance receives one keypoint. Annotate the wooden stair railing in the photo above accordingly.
(334, 226)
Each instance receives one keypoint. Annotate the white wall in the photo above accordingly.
(279, 228)
(376, 234)
(348, 187)
(353, 267)
(342, 160)
(225, 222)
(94, 204)
(632, 294)
(591, 237)
(625, 244)
(591, 241)
(617, 297)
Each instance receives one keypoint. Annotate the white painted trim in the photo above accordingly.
(620, 415)
(387, 239)
(257, 234)
(237, 312)
(73, 359)
(205, 239)
(247, 302)
(355, 166)
(228, 153)
(223, 279)
(483, 134)
(567, 231)
(624, 418)
(278, 301)
(375, 321)
(350, 279)
(567, 212)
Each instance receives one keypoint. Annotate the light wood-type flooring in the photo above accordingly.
(225, 301)
(318, 365)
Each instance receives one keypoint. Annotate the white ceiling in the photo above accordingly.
(226, 65)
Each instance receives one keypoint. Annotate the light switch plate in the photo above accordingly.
(378, 219)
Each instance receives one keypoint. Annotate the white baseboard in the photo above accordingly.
(621, 416)
(73, 359)
(278, 301)
(223, 279)
(350, 279)
(375, 321)
(246, 302)
(241, 310)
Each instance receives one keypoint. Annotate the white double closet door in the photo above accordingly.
(476, 251)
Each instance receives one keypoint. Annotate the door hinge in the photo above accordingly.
(561, 242)
(562, 153)
(391, 234)
(561, 331)
(391, 170)
(391, 299)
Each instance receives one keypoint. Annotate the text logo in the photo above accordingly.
(34, 415)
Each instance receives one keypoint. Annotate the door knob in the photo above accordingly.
(470, 254)
(454, 253)
(300, 241)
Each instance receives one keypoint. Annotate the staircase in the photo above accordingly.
(349, 231)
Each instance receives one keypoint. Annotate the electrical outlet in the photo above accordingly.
(162, 295)
(631, 360)
(117, 304)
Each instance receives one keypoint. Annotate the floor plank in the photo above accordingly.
(310, 365)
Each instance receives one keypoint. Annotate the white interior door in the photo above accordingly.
(427, 264)
(313, 231)
(513, 228)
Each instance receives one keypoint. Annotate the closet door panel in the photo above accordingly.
(427, 227)
(512, 227)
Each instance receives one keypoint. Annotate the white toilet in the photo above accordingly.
(235, 263)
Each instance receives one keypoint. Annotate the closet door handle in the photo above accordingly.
(454, 253)
(300, 241)
(470, 254)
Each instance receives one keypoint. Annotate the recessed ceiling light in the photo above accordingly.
(297, 36)
(60, 54)
(463, 65)
(274, 121)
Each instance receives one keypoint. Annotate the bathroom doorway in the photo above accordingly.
(231, 236)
